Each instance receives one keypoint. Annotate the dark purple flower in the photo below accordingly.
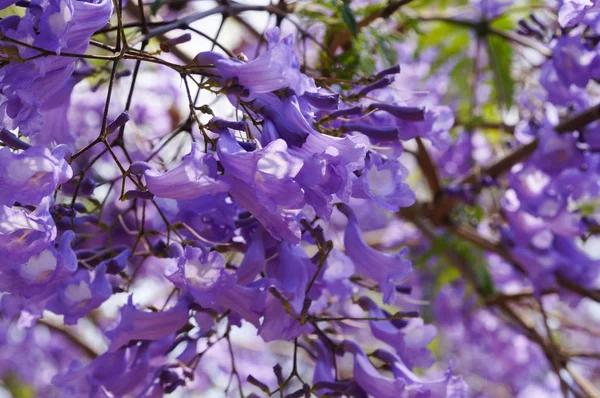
(78, 295)
(572, 11)
(195, 176)
(29, 176)
(202, 274)
(385, 269)
(254, 259)
(39, 274)
(117, 373)
(136, 325)
(572, 61)
(263, 183)
(273, 70)
(382, 180)
(409, 341)
(24, 233)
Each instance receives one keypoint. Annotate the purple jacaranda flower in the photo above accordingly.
(385, 269)
(556, 153)
(576, 265)
(39, 274)
(535, 199)
(476, 336)
(354, 110)
(458, 158)
(66, 26)
(293, 269)
(288, 122)
(244, 302)
(572, 12)
(275, 69)
(324, 368)
(203, 274)
(24, 233)
(404, 382)
(137, 325)
(117, 261)
(278, 324)
(263, 183)
(269, 171)
(196, 175)
(374, 132)
(339, 269)
(382, 181)
(448, 385)
(254, 259)
(6, 3)
(211, 216)
(539, 245)
(409, 338)
(438, 122)
(328, 169)
(379, 84)
(433, 123)
(53, 112)
(322, 100)
(29, 176)
(406, 113)
(572, 61)
(55, 21)
(114, 373)
(217, 124)
(78, 295)
(370, 380)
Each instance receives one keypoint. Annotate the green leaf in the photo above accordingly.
(461, 89)
(17, 388)
(156, 4)
(350, 19)
(448, 275)
(500, 57)
(370, 9)
(386, 47)
(588, 208)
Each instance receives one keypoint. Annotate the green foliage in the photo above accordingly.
(500, 59)
(17, 388)
(156, 4)
(588, 208)
(349, 19)
(12, 10)
(446, 273)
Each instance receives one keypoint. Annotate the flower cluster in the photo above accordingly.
(242, 229)
(280, 225)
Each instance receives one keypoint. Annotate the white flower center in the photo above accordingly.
(381, 182)
(59, 20)
(275, 165)
(77, 293)
(39, 267)
(29, 170)
(201, 274)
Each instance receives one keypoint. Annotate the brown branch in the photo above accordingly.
(182, 23)
(501, 165)
(428, 168)
(72, 337)
(520, 154)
